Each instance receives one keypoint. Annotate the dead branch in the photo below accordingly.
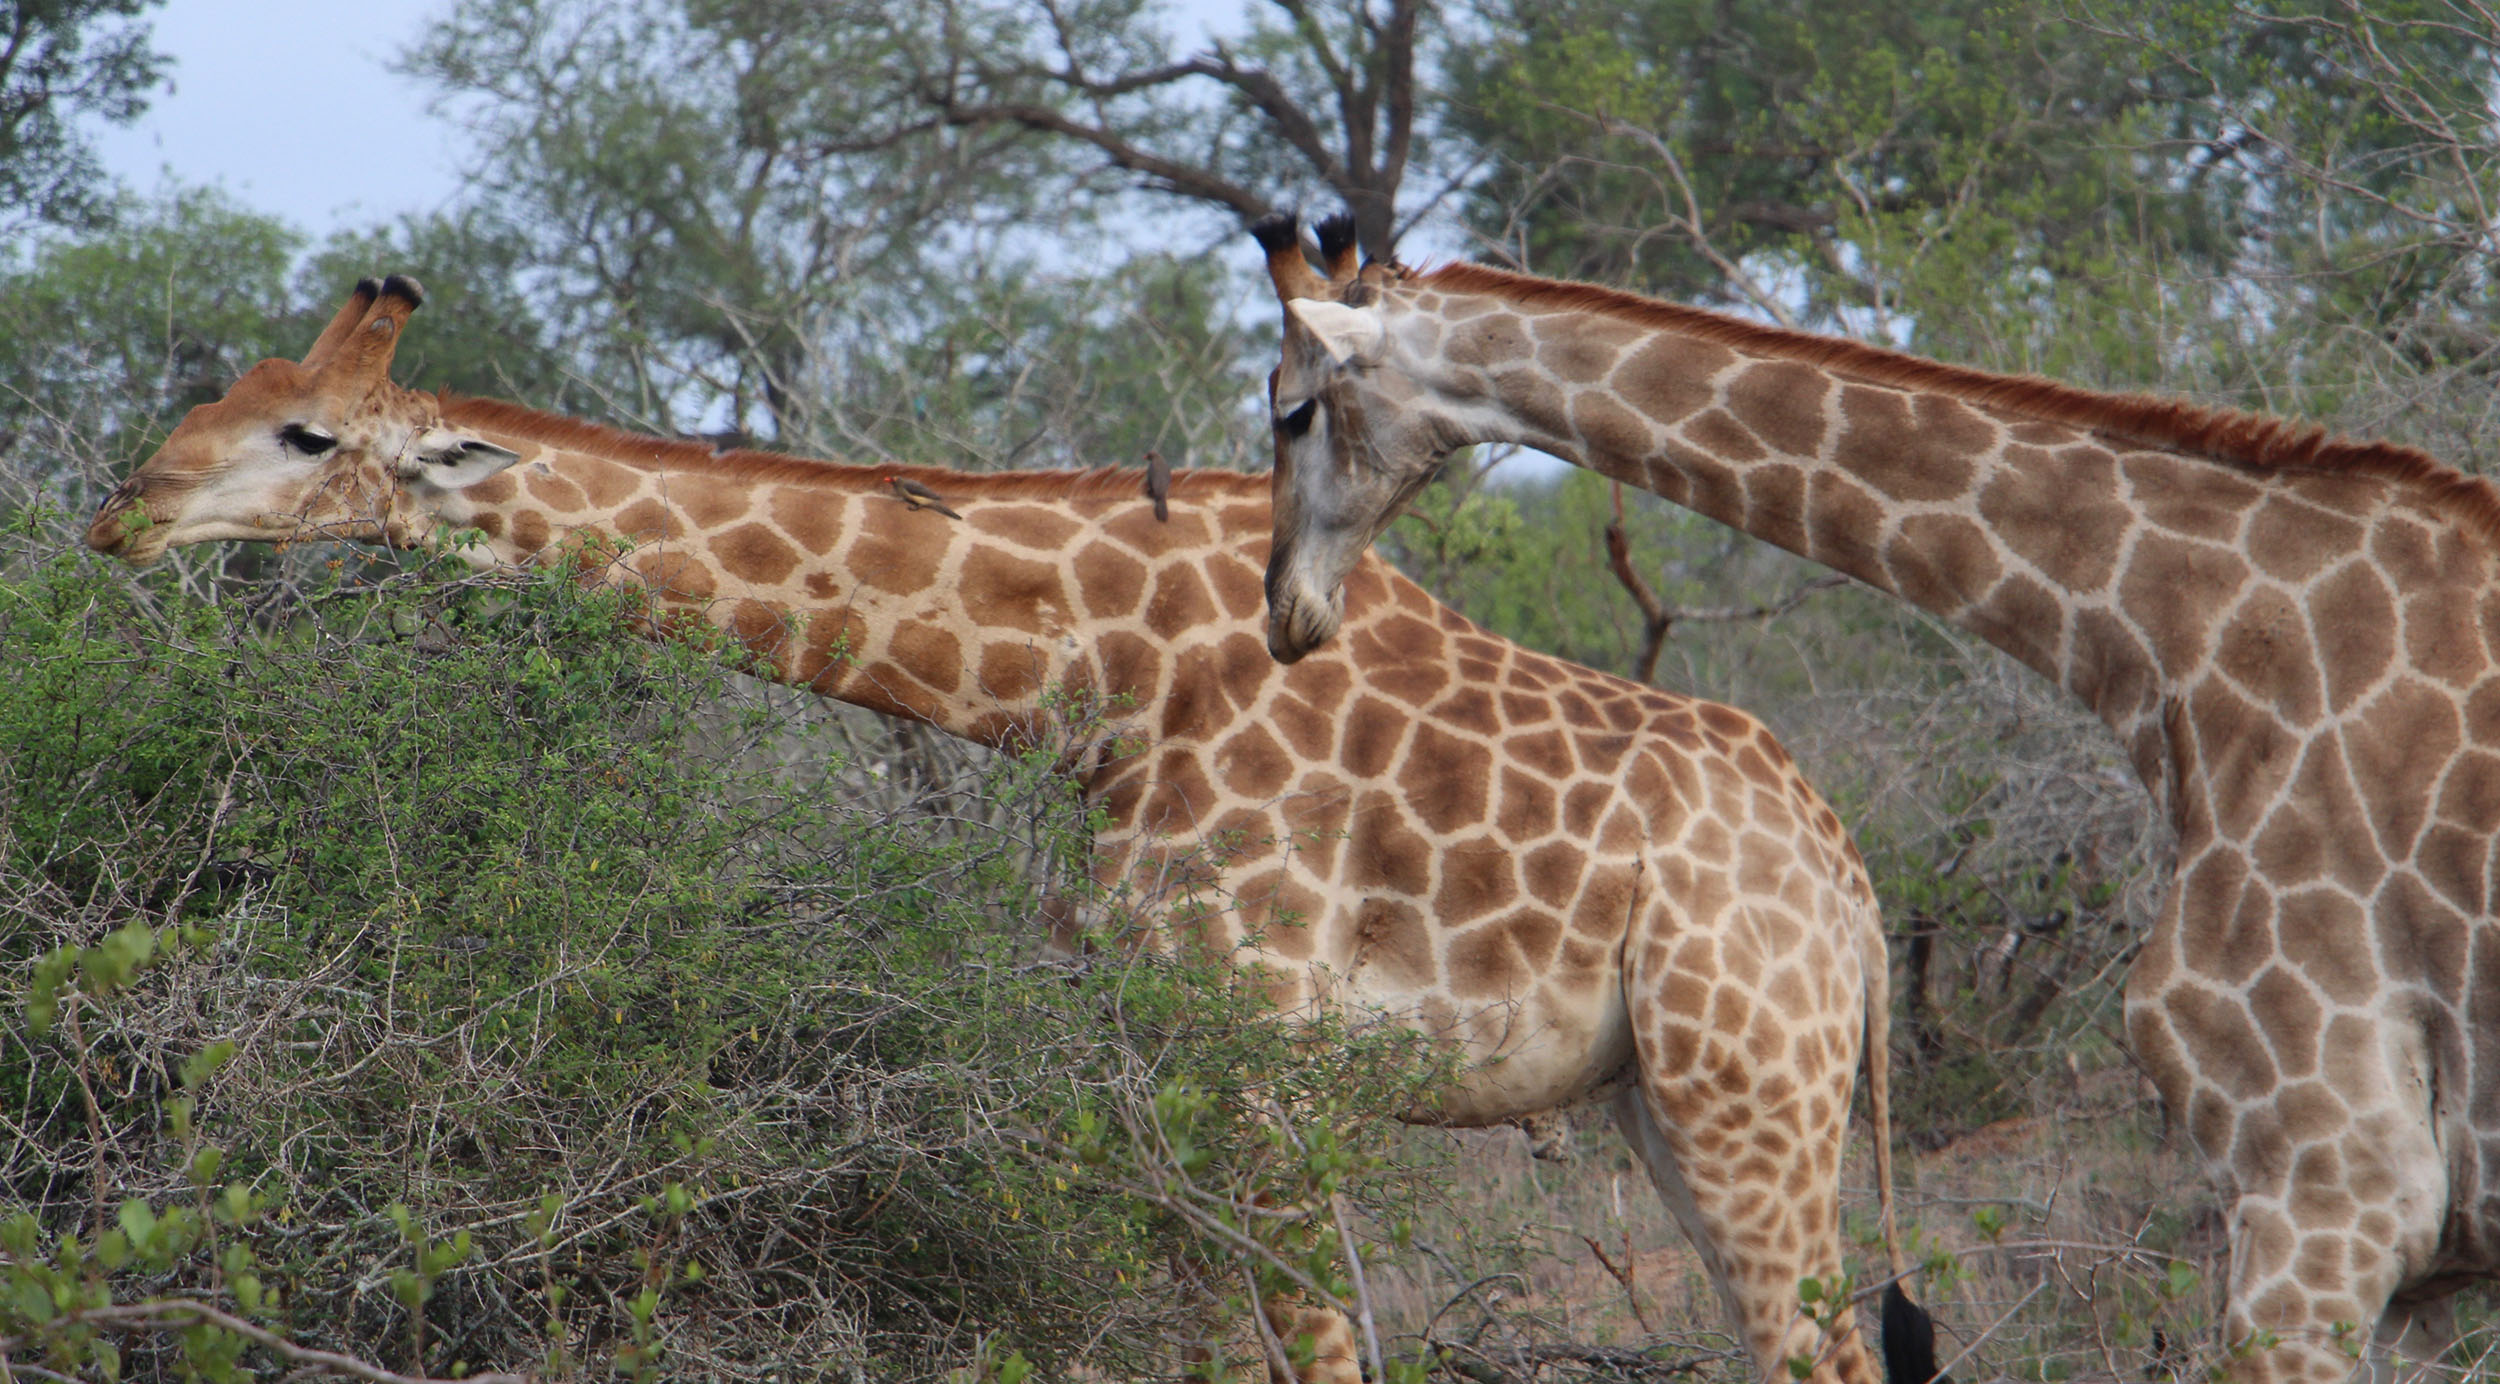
(1658, 619)
(174, 1314)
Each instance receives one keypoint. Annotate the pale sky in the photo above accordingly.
(291, 106)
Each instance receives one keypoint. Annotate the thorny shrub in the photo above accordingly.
(412, 967)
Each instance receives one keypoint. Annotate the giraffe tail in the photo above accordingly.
(1909, 1334)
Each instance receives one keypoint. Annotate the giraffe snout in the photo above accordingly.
(1301, 616)
(111, 526)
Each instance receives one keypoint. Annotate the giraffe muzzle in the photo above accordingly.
(118, 519)
(1299, 617)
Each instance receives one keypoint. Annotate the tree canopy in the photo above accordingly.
(63, 61)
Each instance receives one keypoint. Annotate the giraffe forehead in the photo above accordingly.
(271, 393)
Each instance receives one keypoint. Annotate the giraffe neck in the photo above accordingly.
(2110, 558)
(837, 582)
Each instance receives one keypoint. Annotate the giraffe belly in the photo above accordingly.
(1517, 1055)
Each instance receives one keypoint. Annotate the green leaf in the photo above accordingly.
(199, 1066)
(138, 1221)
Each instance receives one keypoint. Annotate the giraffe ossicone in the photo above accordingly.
(2295, 637)
(1569, 878)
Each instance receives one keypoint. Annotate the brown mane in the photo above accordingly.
(2252, 441)
(748, 464)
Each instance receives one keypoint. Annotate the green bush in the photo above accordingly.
(407, 972)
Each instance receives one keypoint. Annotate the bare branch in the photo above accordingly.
(174, 1314)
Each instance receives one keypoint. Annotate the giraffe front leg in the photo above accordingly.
(2327, 1157)
(2319, 1254)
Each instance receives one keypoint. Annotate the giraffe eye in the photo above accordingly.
(305, 438)
(1298, 422)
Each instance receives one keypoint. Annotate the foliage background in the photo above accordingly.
(1004, 233)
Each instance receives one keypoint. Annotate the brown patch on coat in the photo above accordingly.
(1374, 730)
(1383, 853)
(1011, 671)
(1392, 937)
(930, 652)
(1783, 403)
(756, 554)
(1942, 562)
(2327, 935)
(649, 521)
(1882, 444)
(675, 575)
(1609, 429)
(1238, 585)
(604, 483)
(1030, 525)
(2396, 749)
(1670, 379)
(1179, 601)
(1012, 592)
(1252, 764)
(707, 501)
(2352, 619)
(531, 532)
(555, 491)
(812, 518)
(1477, 877)
(2173, 590)
(1446, 778)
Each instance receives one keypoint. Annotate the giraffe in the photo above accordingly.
(2295, 637)
(1430, 825)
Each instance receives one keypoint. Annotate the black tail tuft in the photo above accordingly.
(1276, 230)
(1336, 235)
(1909, 1340)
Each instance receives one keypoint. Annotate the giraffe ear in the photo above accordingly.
(446, 460)
(1349, 335)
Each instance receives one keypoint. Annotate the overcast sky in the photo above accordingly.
(291, 106)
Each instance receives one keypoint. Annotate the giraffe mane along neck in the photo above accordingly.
(749, 464)
(2248, 441)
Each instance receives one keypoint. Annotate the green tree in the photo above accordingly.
(106, 337)
(1899, 172)
(714, 195)
(743, 220)
(2351, 150)
(1318, 102)
(62, 61)
(109, 334)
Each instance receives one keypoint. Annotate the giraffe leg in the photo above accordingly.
(1335, 1356)
(2317, 1255)
(1741, 1116)
(1740, 1236)
(2333, 1215)
(2413, 1340)
(1236, 1347)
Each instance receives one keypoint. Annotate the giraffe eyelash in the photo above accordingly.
(305, 438)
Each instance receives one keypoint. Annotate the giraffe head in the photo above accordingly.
(1355, 439)
(323, 447)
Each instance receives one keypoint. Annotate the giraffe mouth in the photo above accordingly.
(123, 528)
(1300, 620)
